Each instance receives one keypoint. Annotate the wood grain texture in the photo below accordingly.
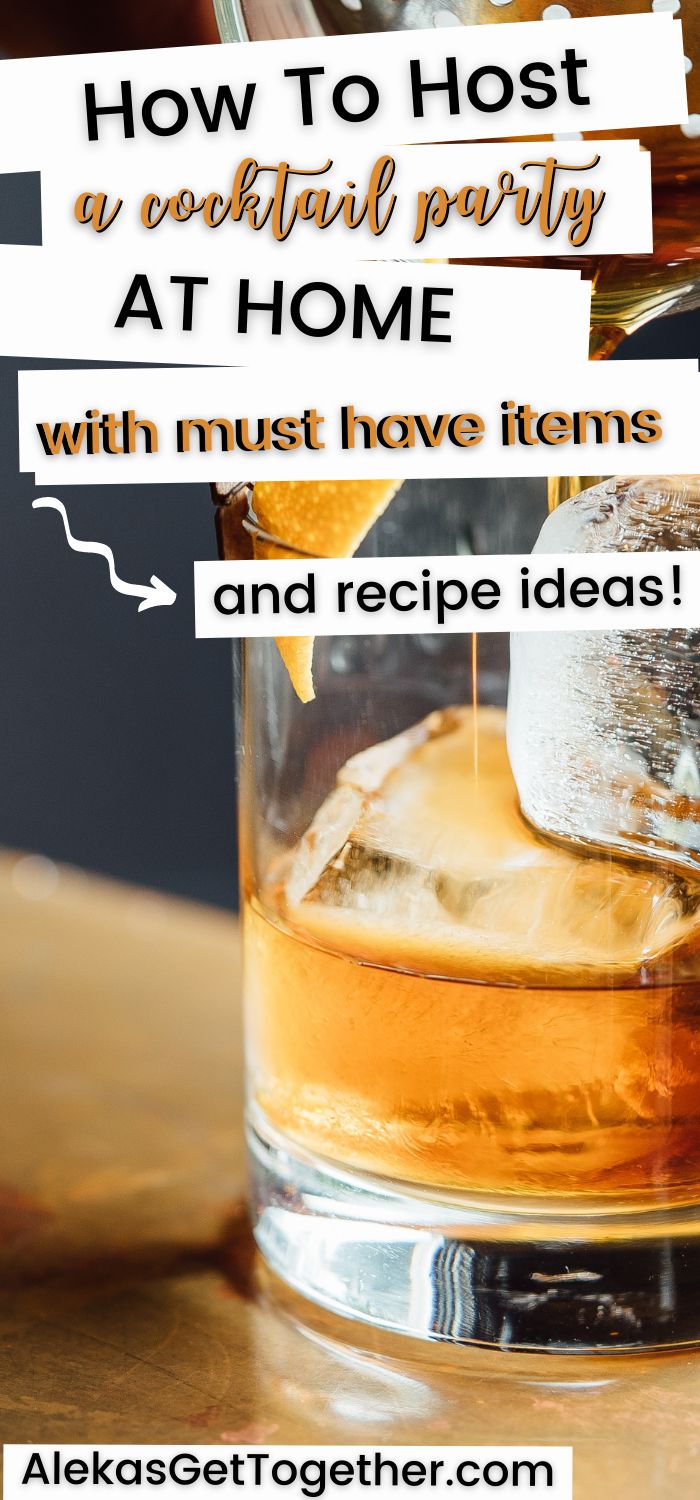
(132, 1307)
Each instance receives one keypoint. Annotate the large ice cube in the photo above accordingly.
(604, 726)
(415, 861)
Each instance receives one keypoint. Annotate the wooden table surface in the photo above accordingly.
(132, 1306)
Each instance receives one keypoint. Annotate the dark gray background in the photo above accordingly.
(116, 741)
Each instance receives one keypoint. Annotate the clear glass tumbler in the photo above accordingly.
(473, 1049)
(473, 1039)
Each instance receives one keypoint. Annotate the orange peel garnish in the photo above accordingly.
(320, 518)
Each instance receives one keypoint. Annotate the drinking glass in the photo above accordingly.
(473, 1044)
(628, 291)
(473, 1055)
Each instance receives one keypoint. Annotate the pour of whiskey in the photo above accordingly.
(628, 291)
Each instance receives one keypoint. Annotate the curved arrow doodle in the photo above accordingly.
(151, 595)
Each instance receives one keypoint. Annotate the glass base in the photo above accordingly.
(441, 1266)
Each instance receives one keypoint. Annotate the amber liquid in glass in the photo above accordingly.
(439, 996)
(436, 993)
(627, 290)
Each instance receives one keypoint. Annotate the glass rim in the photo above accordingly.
(230, 21)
